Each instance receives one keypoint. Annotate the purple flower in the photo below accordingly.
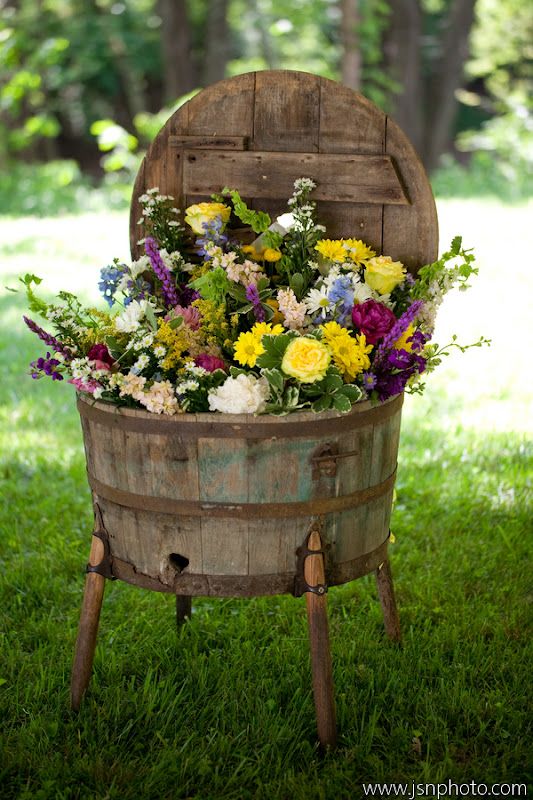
(48, 339)
(187, 295)
(252, 294)
(46, 366)
(397, 329)
(162, 272)
(373, 319)
(369, 381)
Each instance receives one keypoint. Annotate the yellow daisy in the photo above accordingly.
(262, 328)
(331, 249)
(247, 347)
(358, 251)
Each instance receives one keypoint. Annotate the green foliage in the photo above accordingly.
(257, 220)
(332, 393)
(57, 187)
(275, 347)
(213, 285)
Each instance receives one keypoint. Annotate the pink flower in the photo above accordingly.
(191, 316)
(97, 364)
(89, 386)
(373, 319)
(100, 353)
(210, 363)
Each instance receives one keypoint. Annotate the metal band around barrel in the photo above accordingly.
(317, 425)
(198, 508)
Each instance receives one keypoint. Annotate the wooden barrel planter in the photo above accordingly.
(231, 505)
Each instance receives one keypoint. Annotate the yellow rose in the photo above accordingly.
(196, 216)
(306, 359)
(383, 274)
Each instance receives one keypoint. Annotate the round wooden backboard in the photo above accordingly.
(260, 131)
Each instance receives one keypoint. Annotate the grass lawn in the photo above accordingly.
(224, 709)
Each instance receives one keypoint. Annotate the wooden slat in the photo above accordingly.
(210, 142)
(349, 123)
(286, 112)
(339, 178)
(410, 233)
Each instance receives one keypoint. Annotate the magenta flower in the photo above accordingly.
(209, 363)
(99, 352)
(373, 319)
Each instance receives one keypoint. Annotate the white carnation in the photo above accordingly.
(128, 320)
(244, 394)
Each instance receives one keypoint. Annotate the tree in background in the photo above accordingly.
(75, 69)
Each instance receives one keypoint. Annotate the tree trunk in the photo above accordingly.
(178, 70)
(217, 41)
(446, 78)
(351, 54)
(404, 65)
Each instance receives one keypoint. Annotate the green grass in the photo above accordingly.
(224, 709)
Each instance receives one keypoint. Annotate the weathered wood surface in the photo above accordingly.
(280, 114)
(359, 178)
(240, 507)
(321, 667)
(388, 601)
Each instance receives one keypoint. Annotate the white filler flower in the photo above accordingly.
(128, 320)
(241, 395)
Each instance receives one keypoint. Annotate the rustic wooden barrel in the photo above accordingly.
(216, 504)
(219, 504)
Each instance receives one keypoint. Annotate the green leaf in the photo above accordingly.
(341, 402)
(322, 404)
(175, 323)
(297, 284)
(291, 396)
(275, 379)
(353, 393)
(275, 347)
(257, 220)
(332, 383)
(150, 316)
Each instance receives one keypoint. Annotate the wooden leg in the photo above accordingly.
(183, 608)
(388, 603)
(88, 628)
(317, 618)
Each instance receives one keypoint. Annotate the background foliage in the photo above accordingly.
(79, 75)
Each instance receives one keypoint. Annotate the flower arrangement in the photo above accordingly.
(289, 320)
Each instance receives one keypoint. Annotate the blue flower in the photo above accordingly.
(110, 278)
(341, 293)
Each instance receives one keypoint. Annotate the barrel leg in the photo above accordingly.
(88, 627)
(317, 618)
(388, 602)
(183, 608)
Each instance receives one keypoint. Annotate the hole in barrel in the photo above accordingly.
(178, 561)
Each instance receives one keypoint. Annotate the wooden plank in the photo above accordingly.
(349, 123)
(224, 109)
(286, 112)
(339, 178)
(410, 233)
(209, 142)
